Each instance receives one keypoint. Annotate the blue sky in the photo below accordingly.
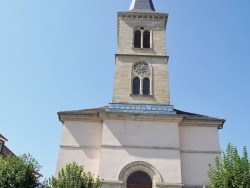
(58, 55)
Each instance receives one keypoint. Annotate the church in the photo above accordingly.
(140, 140)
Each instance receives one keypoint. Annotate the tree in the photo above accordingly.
(73, 176)
(232, 171)
(21, 172)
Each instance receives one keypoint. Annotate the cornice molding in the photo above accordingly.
(143, 55)
(141, 147)
(176, 118)
(142, 16)
(201, 152)
(203, 123)
(79, 147)
(80, 117)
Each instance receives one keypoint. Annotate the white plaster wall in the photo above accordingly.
(89, 158)
(80, 142)
(80, 133)
(199, 138)
(140, 133)
(167, 162)
(195, 166)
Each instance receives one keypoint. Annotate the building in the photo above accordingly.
(4, 150)
(140, 140)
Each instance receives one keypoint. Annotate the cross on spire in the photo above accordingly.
(142, 6)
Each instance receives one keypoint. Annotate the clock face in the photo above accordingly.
(141, 68)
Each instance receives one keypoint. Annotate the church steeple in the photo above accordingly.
(141, 82)
(141, 6)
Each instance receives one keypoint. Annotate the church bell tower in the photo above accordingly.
(141, 81)
(139, 140)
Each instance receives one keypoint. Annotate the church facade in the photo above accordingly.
(140, 139)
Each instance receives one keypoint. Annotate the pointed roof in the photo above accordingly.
(142, 6)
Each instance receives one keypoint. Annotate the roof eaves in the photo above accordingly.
(3, 138)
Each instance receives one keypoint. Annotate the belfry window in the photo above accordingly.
(146, 39)
(141, 38)
(136, 85)
(141, 79)
(146, 86)
(139, 179)
(137, 39)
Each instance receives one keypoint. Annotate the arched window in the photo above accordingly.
(139, 179)
(136, 85)
(137, 39)
(146, 86)
(141, 38)
(141, 78)
(146, 39)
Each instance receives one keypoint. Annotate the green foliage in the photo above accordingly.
(232, 171)
(19, 172)
(73, 176)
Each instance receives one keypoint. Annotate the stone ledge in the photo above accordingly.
(141, 108)
(166, 185)
(112, 182)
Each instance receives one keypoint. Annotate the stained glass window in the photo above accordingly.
(146, 39)
(146, 86)
(137, 39)
(139, 179)
(136, 85)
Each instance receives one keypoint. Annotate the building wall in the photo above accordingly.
(80, 143)
(125, 36)
(127, 141)
(179, 153)
(140, 133)
(166, 161)
(199, 147)
(122, 82)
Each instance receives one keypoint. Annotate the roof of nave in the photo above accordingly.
(96, 111)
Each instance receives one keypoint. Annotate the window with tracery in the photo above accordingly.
(141, 78)
(139, 179)
(136, 85)
(141, 38)
(146, 86)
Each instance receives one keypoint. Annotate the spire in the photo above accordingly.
(142, 6)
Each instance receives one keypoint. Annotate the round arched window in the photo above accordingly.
(139, 179)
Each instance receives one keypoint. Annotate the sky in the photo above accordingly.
(58, 55)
